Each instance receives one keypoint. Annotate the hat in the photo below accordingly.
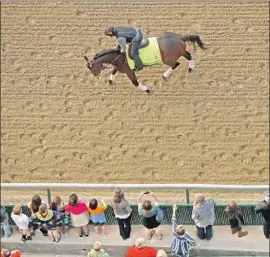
(109, 30)
(139, 243)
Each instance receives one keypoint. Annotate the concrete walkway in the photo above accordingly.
(222, 243)
(51, 255)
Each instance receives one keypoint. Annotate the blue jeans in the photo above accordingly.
(266, 229)
(135, 50)
(6, 228)
(205, 233)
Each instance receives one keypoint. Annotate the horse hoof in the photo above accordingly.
(190, 70)
(165, 78)
(148, 91)
(110, 82)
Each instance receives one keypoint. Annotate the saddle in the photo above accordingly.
(144, 43)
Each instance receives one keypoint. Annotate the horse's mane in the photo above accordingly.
(106, 52)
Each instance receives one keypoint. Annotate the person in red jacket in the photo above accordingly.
(140, 250)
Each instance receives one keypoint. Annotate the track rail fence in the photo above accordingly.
(187, 187)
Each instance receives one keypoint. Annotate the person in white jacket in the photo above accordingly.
(203, 214)
(22, 222)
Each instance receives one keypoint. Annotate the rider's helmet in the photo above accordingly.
(109, 31)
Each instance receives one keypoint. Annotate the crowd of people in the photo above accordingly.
(55, 219)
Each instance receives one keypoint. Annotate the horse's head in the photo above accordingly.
(96, 65)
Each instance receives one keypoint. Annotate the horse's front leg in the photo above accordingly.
(135, 82)
(112, 76)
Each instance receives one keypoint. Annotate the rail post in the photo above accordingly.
(49, 195)
(187, 196)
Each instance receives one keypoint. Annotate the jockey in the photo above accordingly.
(128, 35)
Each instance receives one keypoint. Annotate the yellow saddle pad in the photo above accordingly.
(149, 55)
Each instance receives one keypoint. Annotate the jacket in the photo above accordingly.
(181, 245)
(3, 213)
(204, 215)
(263, 208)
(100, 253)
(145, 251)
(128, 33)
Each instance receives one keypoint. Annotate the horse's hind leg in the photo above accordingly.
(191, 63)
(169, 72)
(112, 76)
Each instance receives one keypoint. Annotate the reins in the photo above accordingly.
(111, 61)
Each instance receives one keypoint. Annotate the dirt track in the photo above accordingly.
(59, 124)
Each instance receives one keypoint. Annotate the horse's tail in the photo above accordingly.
(193, 39)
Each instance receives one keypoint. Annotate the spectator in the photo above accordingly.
(182, 241)
(50, 220)
(22, 222)
(149, 214)
(122, 212)
(97, 251)
(161, 253)
(98, 216)
(236, 219)
(58, 205)
(263, 207)
(204, 216)
(4, 222)
(34, 207)
(79, 215)
(140, 250)
(7, 253)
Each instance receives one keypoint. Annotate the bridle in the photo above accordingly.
(103, 67)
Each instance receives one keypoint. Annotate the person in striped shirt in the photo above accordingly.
(182, 241)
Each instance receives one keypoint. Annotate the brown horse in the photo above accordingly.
(172, 46)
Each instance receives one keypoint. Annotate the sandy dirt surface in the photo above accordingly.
(60, 124)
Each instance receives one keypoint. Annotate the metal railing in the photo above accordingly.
(186, 187)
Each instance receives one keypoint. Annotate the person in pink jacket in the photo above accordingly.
(79, 215)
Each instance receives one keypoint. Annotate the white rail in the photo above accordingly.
(186, 187)
(135, 186)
